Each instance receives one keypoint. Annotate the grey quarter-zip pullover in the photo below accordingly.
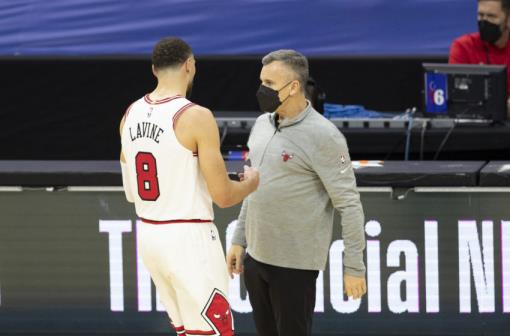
(305, 174)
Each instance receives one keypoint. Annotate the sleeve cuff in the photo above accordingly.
(239, 241)
(354, 272)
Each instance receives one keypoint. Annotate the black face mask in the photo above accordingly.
(489, 32)
(268, 98)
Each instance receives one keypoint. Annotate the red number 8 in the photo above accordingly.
(147, 176)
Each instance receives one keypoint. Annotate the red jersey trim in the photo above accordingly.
(200, 332)
(176, 221)
(161, 101)
(180, 330)
(180, 112)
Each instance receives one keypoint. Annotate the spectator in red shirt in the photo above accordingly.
(491, 44)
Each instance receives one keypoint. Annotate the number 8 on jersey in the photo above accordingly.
(147, 176)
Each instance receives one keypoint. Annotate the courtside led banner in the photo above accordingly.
(437, 263)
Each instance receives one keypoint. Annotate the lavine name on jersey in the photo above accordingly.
(146, 130)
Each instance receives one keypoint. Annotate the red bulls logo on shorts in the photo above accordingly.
(218, 314)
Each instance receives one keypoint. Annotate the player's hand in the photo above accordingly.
(251, 176)
(235, 260)
(355, 287)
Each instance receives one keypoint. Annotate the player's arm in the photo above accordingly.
(224, 192)
(125, 171)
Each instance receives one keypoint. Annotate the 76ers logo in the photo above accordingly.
(218, 315)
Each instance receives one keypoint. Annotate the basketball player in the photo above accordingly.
(172, 170)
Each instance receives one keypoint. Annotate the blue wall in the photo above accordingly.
(234, 27)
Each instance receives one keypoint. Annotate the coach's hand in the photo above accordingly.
(235, 260)
(355, 287)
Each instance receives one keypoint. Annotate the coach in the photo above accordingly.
(286, 225)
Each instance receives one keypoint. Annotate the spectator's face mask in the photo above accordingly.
(490, 32)
(268, 98)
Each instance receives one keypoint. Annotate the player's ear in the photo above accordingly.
(154, 72)
(189, 64)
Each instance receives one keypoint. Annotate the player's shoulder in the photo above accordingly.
(195, 116)
(198, 112)
(132, 106)
(199, 109)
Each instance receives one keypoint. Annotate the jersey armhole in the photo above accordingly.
(178, 114)
(124, 117)
(127, 111)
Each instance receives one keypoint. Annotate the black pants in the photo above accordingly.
(283, 299)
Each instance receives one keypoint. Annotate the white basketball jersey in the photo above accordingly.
(164, 176)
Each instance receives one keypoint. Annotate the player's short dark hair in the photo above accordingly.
(170, 52)
(505, 4)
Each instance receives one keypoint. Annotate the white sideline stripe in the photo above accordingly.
(462, 189)
(10, 189)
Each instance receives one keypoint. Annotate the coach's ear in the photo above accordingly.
(154, 71)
